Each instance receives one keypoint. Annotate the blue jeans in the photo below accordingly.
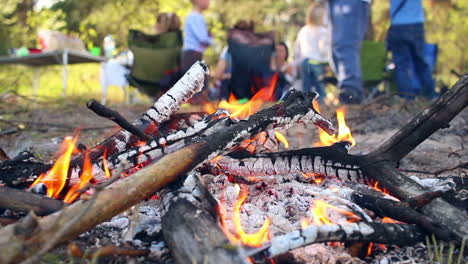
(349, 19)
(411, 69)
(310, 74)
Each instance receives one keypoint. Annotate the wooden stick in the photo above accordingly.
(22, 201)
(116, 117)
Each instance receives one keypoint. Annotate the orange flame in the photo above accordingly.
(281, 138)
(377, 188)
(56, 177)
(239, 236)
(266, 94)
(85, 177)
(344, 133)
(390, 220)
(320, 210)
(369, 249)
(104, 164)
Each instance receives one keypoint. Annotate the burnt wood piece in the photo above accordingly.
(3, 155)
(401, 211)
(331, 161)
(22, 170)
(22, 201)
(117, 118)
(382, 233)
(123, 194)
(201, 239)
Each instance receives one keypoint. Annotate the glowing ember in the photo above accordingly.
(85, 177)
(282, 139)
(56, 177)
(344, 133)
(316, 177)
(390, 220)
(369, 249)
(377, 188)
(239, 236)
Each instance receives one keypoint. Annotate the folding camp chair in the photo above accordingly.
(251, 57)
(374, 67)
(156, 63)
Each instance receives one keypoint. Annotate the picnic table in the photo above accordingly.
(57, 57)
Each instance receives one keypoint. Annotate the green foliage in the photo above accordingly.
(435, 250)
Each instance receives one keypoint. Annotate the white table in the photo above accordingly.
(57, 57)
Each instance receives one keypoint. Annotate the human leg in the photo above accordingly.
(401, 52)
(421, 67)
(349, 19)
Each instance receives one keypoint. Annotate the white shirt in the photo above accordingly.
(313, 42)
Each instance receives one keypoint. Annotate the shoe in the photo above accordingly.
(351, 97)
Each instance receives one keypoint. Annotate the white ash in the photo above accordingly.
(436, 184)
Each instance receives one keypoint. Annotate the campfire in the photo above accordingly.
(227, 185)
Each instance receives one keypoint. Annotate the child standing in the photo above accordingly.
(196, 37)
(311, 50)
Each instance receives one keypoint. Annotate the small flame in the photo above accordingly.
(320, 210)
(281, 138)
(369, 249)
(239, 236)
(344, 133)
(377, 188)
(85, 177)
(266, 94)
(104, 164)
(56, 177)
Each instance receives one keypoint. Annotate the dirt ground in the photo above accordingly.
(40, 127)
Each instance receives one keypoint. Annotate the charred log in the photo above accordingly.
(17, 172)
(330, 161)
(402, 212)
(22, 201)
(185, 201)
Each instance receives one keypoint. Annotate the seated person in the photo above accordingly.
(249, 55)
(222, 74)
(167, 22)
(280, 64)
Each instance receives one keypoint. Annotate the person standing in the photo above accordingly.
(311, 50)
(196, 35)
(349, 20)
(405, 40)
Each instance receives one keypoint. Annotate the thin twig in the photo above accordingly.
(462, 165)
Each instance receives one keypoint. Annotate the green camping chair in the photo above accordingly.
(373, 66)
(156, 63)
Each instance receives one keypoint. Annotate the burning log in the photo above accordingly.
(185, 201)
(383, 233)
(16, 172)
(22, 201)
(126, 192)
